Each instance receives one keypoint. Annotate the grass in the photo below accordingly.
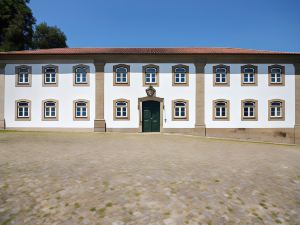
(101, 212)
(77, 205)
(109, 204)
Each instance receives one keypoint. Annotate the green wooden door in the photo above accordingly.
(151, 116)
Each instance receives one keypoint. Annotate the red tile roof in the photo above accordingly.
(146, 51)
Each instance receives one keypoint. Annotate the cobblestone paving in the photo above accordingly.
(89, 178)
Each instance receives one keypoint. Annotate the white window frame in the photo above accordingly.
(248, 75)
(80, 75)
(23, 109)
(152, 76)
(180, 109)
(81, 109)
(221, 76)
(23, 76)
(50, 109)
(277, 76)
(121, 108)
(221, 110)
(248, 110)
(121, 75)
(50, 75)
(180, 75)
(276, 109)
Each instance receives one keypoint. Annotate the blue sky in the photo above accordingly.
(256, 24)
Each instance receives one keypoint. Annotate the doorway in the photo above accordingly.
(151, 116)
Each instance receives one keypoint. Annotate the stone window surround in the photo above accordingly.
(17, 118)
(115, 67)
(243, 73)
(227, 83)
(186, 118)
(282, 118)
(87, 68)
(56, 76)
(87, 118)
(255, 118)
(56, 118)
(157, 75)
(114, 109)
(227, 103)
(187, 75)
(17, 68)
(282, 83)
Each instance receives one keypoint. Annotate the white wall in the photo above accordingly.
(262, 92)
(136, 90)
(65, 93)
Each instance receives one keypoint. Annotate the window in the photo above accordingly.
(249, 75)
(180, 109)
(221, 110)
(276, 109)
(221, 75)
(121, 75)
(249, 110)
(151, 75)
(23, 76)
(50, 110)
(23, 109)
(50, 75)
(81, 110)
(81, 75)
(180, 75)
(121, 109)
(276, 75)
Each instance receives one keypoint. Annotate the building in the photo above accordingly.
(217, 92)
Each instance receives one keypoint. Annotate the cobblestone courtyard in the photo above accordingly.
(90, 178)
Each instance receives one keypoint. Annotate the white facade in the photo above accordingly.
(65, 93)
(137, 90)
(262, 92)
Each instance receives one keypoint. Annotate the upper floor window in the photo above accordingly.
(81, 75)
(23, 108)
(180, 75)
(180, 109)
(23, 76)
(50, 75)
(249, 109)
(249, 75)
(276, 109)
(221, 109)
(221, 75)
(276, 75)
(121, 75)
(81, 108)
(50, 110)
(151, 75)
(121, 109)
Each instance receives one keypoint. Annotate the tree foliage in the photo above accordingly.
(16, 25)
(17, 29)
(48, 37)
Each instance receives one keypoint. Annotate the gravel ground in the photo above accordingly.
(112, 178)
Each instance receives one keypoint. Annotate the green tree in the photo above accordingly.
(16, 21)
(48, 37)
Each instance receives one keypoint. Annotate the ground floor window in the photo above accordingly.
(121, 109)
(50, 110)
(23, 109)
(81, 108)
(276, 110)
(249, 109)
(221, 109)
(180, 109)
